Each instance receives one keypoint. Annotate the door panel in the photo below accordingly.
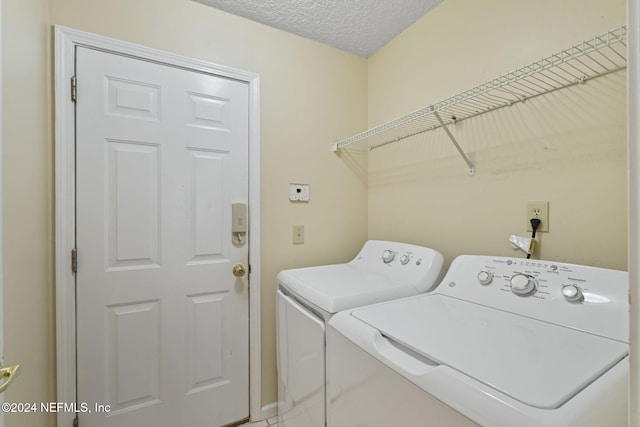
(133, 204)
(205, 213)
(162, 323)
(133, 355)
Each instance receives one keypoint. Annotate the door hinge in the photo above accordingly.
(74, 89)
(74, 260)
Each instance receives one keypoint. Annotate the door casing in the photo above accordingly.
(1, 234)
(66, 40)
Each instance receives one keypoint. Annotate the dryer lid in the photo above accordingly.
(339, 287)
(537, 363)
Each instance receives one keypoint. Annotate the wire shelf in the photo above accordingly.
(601, 55)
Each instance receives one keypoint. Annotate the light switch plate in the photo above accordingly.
(298, 234)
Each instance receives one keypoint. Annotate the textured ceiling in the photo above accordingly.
(357, 26)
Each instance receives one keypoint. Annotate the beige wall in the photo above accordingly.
(310, 95)
(568, 147)
(28, 310)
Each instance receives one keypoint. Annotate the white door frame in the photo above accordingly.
(66, 40)
(1, 226)
(633, 135)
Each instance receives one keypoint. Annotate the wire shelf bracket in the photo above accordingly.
(599, 56)
(472, 169)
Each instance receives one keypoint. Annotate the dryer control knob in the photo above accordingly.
(388, 256)
(522, 285)
(404, 259)
(572, 293)
(485, 277)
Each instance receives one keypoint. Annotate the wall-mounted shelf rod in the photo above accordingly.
(601, 55)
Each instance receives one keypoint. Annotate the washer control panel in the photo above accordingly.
(540, 279)
(589, 298)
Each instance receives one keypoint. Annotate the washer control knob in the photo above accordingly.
(522, 285)
(485, 277)
(572, 293)
(404, 259)
(388, 256)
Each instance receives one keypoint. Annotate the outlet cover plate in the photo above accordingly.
(538, 210)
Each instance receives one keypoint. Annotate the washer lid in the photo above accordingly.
(339, 287)
(537, 363)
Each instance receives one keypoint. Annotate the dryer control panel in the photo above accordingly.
(588, 298)
(402, 262)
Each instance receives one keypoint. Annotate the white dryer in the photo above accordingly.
(308, 297)
(501, 342)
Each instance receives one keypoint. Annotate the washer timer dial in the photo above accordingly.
(522, 285)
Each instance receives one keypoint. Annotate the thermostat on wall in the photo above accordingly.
(299, 192)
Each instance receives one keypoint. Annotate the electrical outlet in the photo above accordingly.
(538, 210)
(298, 234)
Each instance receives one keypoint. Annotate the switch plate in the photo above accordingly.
(538, 210)
(299, 192)
(298, 234)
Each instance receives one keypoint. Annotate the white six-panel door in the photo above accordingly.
(162, 322)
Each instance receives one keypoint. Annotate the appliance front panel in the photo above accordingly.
(301, 365)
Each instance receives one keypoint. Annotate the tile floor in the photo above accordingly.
(271, 422)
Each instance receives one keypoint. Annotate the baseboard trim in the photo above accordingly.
(267, 411)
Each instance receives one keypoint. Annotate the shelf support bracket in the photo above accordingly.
(472, 169)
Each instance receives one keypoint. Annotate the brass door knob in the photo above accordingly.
(239, 270)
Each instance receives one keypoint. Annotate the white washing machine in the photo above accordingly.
(308, 297)
(501, 342)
